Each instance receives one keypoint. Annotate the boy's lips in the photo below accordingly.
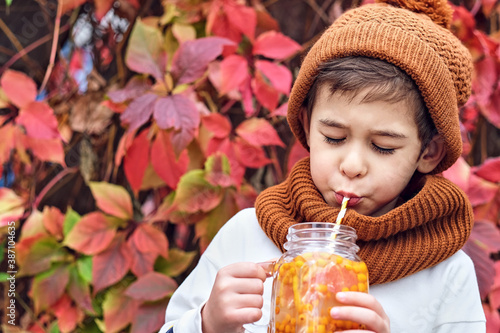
(353, 199)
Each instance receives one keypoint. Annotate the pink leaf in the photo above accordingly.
(459, 173)
(139, 111)
(234, 72)
(247, 97)
(50, 150)
(177, 112)
(281, 111)
(217, 124)
(141, 263)
(297, 153)
(275, 45)
(481, 191)
(164, 162)
(192, 58)
(489, 170)
(112, 199)
(150, 317)
(92, 234)
(147, 238)
(19, 87)
(110, 266)
(39, 121)
(259, 132)
(151, 287)
(279, 76)
(243, 18)
(134, 88)
(136, 160)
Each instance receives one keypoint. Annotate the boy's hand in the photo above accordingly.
(236, 298)
(363, 309)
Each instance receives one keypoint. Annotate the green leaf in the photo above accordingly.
(178, 261)
(3, 277)
(79, 290)
(119, 309)
(70, 219)
(112, 199)
(84, 266)
(42, 254)
(195, 194)
(8, 2)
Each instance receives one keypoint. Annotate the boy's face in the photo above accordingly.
(365, 151)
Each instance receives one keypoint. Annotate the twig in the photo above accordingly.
(13, 39)
(318, 10)
(51, 184)
(30, 48)
(55, 43)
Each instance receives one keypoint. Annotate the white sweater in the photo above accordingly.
(444, 298)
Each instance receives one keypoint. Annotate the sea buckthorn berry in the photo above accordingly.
(339, 260)
(321, 329)
(346, 289)
(362, 287)
(277, 310)
(354, 288)
(362, 277)
(348, 266)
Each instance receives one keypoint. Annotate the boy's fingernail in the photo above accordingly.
(335, 312)
(341, 296)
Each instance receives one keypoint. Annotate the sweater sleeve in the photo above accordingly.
(184, 308)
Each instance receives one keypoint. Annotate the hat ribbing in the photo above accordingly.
(414, 38)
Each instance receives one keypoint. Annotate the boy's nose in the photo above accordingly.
(353, 165)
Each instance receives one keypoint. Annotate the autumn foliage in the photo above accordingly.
(117, 182)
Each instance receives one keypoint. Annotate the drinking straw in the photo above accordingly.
(343, 209)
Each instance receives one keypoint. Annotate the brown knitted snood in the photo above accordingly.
(425, 230)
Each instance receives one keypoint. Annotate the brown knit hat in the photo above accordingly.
(413, 35)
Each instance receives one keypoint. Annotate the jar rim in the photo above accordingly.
(321, 226)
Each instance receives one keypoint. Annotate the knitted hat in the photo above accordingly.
(413, 35)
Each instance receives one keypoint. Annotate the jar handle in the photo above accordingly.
(268, 266)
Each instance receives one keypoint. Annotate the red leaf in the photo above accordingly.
(234, 72)
(492, 318)
(118, 309)
(192, 58)
(124, 144)
(68, 5)
(489, 170)
(68, 316)
(151, 287)
(279, 75)
(149, 317)
(281, 111)
(241, 18)
(491, 111)
(218, 170)
(139, 111)
(136, 160)
(247, 97)
(141, 262)
(112, 199)
(134, 88)
(297, 152)
(267, 95)
(147, 238)
(92, 234)
(218, 124)
(144, 51)
(102, 7)
(481, 191)
(19, 87)
(39, 121)
(249, 155)
(259, 132)
(227, 147)
(164, 161)
(53, 221)
(218, 23)
(50, 150)
(275, 45)
(110, 266)
(484, 79)
(459, 173)
(48, 287)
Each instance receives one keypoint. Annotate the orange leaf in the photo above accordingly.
(111, 265)
(151, 287)
(112, 199)
(164, 161)
(92, 234)
(147, 238)
(11, 206)
(141, 263)
(19, 87)
(136, 160)
(68, 315)
(218, 124)
(53, 221)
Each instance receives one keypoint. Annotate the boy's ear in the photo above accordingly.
(304, 120)
(432, 155)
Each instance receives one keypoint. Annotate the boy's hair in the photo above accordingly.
(383, 82)
(414, 36)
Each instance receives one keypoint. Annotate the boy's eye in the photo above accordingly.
(381, 150)
(333, 141)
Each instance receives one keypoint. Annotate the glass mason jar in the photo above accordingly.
(321, 260)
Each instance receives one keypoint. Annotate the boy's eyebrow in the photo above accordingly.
(389, 133)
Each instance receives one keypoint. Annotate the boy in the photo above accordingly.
(376, 104)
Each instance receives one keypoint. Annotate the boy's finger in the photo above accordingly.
(361, 300)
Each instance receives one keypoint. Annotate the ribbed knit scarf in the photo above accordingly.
(422, 232)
